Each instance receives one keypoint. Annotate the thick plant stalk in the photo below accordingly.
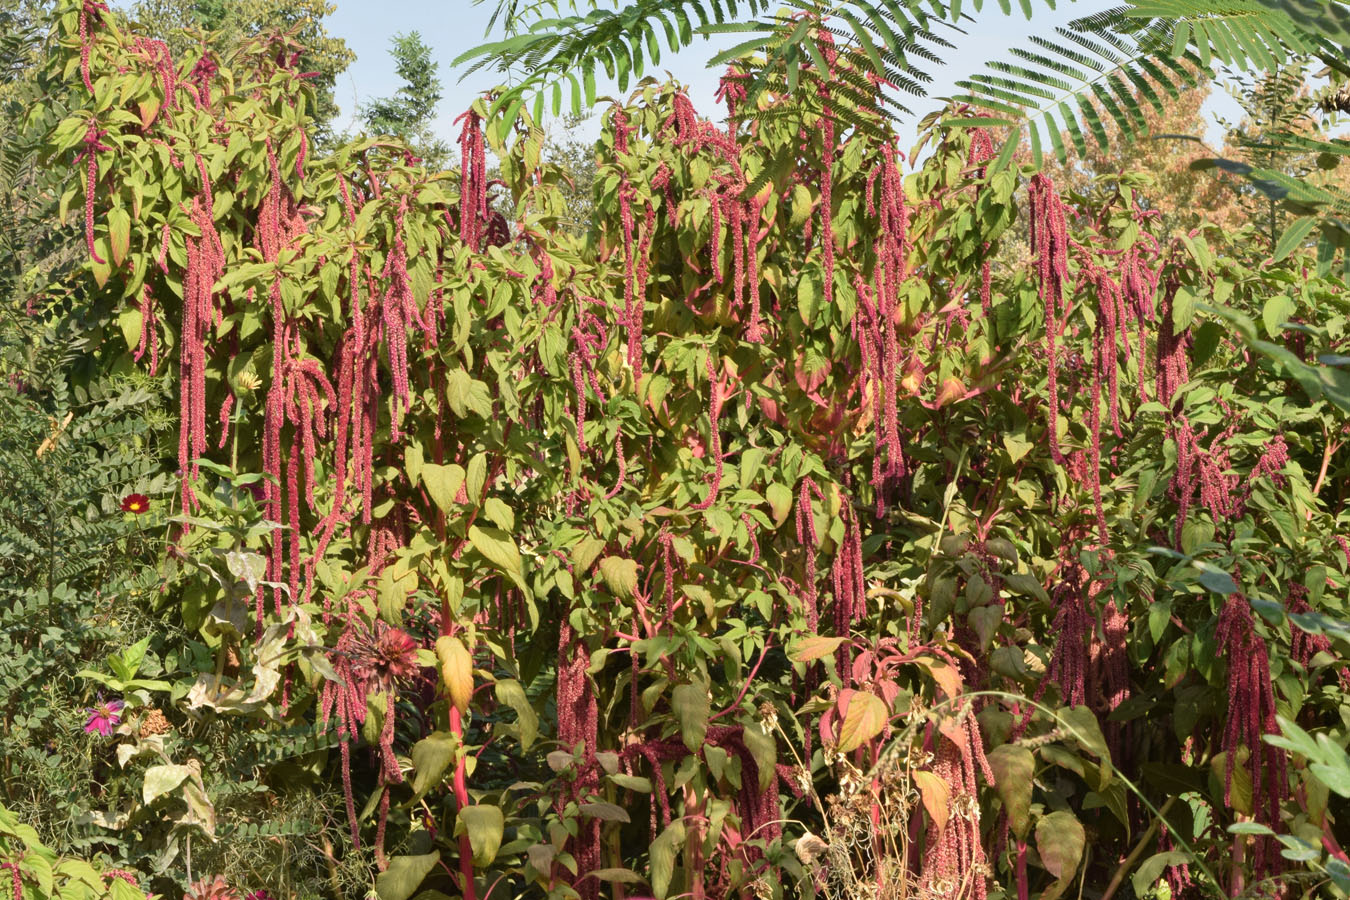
(461, 788)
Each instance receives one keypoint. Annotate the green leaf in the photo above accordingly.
(1151, 869)
(808, 298)
(663, 851)
(864, 719)
(584, 554)
(499, 513)
(780, 502)
(631, 782)
(431, 756)
(1217, 581)
(404, 875)
(606, 812)
(484, 826)
(443, 484)
(1275, 313)
(467, 394)
(1183, 309)
(510, 692)
(119, 234)
(692, 710)
(1059, 841)
(1085, 729)
(1013, 769)
(764, 748)
(1293, 236)
(498, 548)
(620, 575)
(617, 876)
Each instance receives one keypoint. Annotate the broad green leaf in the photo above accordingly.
(692, 709)
(510, 692)
(1013, 769)
(405, 873)
(443, 484)
(484, 825)
(431, 756)
(161, 779)
(584, 554)
(1059, 841)
(620, 574)
(497, 548)
(663, 851)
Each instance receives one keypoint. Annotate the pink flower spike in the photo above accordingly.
(103, 717)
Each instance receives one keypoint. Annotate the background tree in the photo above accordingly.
(1278, 109)
(410, 114)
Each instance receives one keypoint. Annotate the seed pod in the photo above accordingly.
(456, 670)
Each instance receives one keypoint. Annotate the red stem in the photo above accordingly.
(462, 802)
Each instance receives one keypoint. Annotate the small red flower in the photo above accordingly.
(136, 503)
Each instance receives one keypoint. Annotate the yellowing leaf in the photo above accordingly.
(936, 795)
(864, 719)
(780, 502)
(456, 670)
(813, 648)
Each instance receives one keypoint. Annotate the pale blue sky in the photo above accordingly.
(451, 27)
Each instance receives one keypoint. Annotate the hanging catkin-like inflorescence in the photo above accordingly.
(981, 151)
(149, 329)
(1074, 625)
(92, 145)
(808, 538)
(200, 78)
(1050, 245)
(309, 395)
(278, 222)
(157, 54)
(205, 266)
(875, 326)
(1173, 371)
(850, 589)
(589, 336)
(91, 12)
(1138, 272)
(399, 313)
(578, 723)
(1251, 715)
(473, 204)
(953, 861)
(367, 660)
(714, 432)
